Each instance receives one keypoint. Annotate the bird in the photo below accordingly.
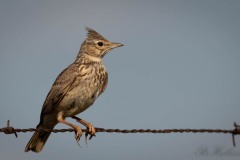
(75, 90)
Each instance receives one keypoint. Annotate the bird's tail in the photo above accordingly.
(38, 140)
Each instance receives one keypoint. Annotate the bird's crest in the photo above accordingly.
(92, 34)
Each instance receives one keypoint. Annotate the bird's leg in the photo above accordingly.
(90, 127)
(78, 130)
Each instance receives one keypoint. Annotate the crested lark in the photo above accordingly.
(75, 89)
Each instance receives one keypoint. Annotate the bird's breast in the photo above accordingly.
(88, 86)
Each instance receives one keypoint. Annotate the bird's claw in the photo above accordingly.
(90, 137)
(90, 131)
(78, 134)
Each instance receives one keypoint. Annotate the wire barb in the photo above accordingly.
(235, 131)
(9, 129)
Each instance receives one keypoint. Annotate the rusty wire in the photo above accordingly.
(236, 131)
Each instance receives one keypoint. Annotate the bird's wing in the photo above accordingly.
(105, 82)
(62, 85)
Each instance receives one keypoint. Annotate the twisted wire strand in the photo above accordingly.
(11, 130)
(236, 131)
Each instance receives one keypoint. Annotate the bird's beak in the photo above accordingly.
(115, 45)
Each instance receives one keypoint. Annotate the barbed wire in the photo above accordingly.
(236, 131)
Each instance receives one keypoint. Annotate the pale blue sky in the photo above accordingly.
(179, 68)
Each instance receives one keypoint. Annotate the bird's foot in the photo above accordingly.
(78, 133)
(90, 131)
(90, 128)
(77, 129)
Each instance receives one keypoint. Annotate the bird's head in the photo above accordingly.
(96, 45)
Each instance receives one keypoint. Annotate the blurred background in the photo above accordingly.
(179, 68)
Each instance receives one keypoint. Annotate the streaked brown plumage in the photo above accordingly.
(75, 89)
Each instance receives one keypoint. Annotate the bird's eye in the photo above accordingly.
(100, 43)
